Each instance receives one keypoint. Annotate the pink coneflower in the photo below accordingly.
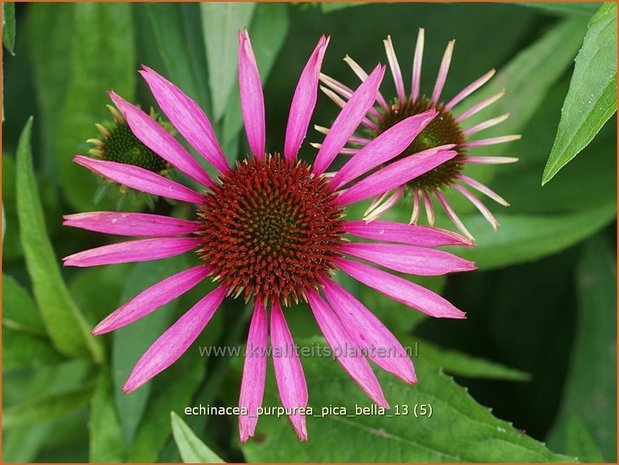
(271, 229)
(444, 129)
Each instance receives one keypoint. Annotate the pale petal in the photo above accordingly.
(485, 125)
(416, 84)
(492, 141)
(400, 289)
(385, 206)
(361, 74)
(187, 117)
(479, 205)
(173, 343)
(369, 333)
(483, 189)
(468, 90)
(395, 69)
(288, 370)
(452, 215)
(254, 371)
(427, 203)
(442, 72)
(130, 224)
(490, 160)
(142, 250)
(139, 179)
(152, 298)
(480, 106)
(345, 349)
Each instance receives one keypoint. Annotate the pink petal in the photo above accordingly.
(400, 290)
(480, 106)
(383, 148)
(369, 333)
(410, 259)
(152, 298)
(142, 250)
(139, 179)
(442, 72)
(416, 84)
(348, 119)
(187, 117)
(173, 343)
(452, 215)
(483, 189)
(288, 370)
(345, 349)
(304, 101)
(396, 174)
(395, 69)
(479, 205)
(468, 90)
(161, 141)
(252, 99)
(254, 372)
(130, 224)
(492, 141)
(389, 231)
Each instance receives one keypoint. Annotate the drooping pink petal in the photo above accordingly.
(288, 370)
(422, 261)
(492, 141)
(383, 148)
(361, 74)
(161, 141)
(427, 203)
(416, 84)
(385, 206)
(442, 72)
(348, 119)
(130, 224)
(485, 125)
(304, 101)
(395, 69)
(483, 189)
(452, 215)
(187, 117)
(389, 231)
(400, 289)
(142, 250)
(139, 179)
(173, 343)
(254, 371)
(252, 99)
(345, 349)
(480, 106)
(369, 333)
(490, 160)
(479, 205)
(468, 90)
(395, 174)
(153, 298)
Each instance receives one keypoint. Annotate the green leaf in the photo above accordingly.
(328, 7)
(103, 58)
(19, 311)
(192, 450)
(178, 45)
(130, 342)
(46, 408)
(220, 25)
(458, 429)
(575, 439)
(523, 238)
(26, 350)
(107, 443)
(591, 383)
(8, 26)
(65, 324)
(592, 98)
(461, 364)
(580, 8)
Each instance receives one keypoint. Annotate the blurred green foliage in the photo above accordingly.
(539, 344)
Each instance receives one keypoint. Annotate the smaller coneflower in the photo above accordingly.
(444, 129)
(117, 142)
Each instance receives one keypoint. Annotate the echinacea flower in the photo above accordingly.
(271, 229)
(445, 128)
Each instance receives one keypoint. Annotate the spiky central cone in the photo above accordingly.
(270, 229)
(443, 129)
(122, 146)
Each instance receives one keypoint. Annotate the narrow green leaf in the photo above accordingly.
(65, 324)
(8, 26)
(458, 429)
(220, 25)
(46, 408)
(461, 364)
(592, 98)
(591, 383)
(107, 443)
(580, 8)
(130, 342)
(192, 450)
(19, 311)
(523, 238)
(328, 7)
(575, 439)
(103, 58)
